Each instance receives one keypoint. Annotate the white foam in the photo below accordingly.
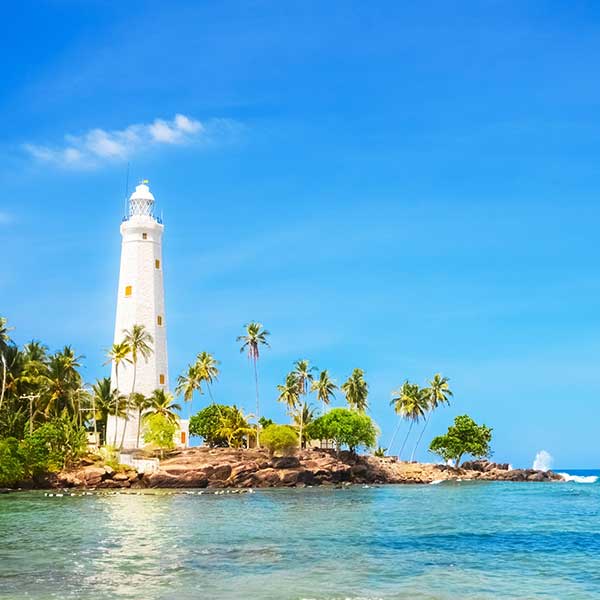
(579, 478)
(543, 461)
(436, 482)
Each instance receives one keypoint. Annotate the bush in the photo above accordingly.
(53, 446)
(159, 432)
(464, 437)
(279, 440)
(345, 428)
(208, 424)
(11, 463)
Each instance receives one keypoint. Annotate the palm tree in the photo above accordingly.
(303, 417)
(162, 403)
(289, 393)
(208, 370)
(437, 393)
(234, 427)
(304, 379)
(188, 383)
(5, 342)
(106, 401)
(253, 339)
(63, 383)
(357, 391)
(140, 343)
(410, 403)
(117, 354)
(140, 403)
(324, 386)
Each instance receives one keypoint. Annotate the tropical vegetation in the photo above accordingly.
(464, 437)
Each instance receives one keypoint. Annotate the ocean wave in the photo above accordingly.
(579, 478)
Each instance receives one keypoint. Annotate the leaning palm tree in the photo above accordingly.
(410, 403)
(140, 343)
(437, 393)
(325, 388)
(357, 391)
(289, 393)
(118, 354)
(162, 403)
(304, 379)
(255, 337)
(207, 368)
(188, 383)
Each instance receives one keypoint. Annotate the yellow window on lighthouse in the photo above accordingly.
(157, 263)
(159, 320)
(161, 379)
(144, 236)
(127, 291)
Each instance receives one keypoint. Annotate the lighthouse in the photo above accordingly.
(140, 301)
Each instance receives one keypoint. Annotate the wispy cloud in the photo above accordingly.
(99, 146)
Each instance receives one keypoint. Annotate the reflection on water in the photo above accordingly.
(446, 541)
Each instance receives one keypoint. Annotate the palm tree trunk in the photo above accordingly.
(301, 424)
(257, 405)
(406, 439)
(420, 436)
(137, 439)
(127, 407)
(394, 436)
(116, 403)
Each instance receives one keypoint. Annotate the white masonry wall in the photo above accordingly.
(144, 306)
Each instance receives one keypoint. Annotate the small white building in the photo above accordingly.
(141, 300)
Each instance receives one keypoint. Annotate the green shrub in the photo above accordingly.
(159, 432)
(11, 462)
(53, 446)
(345, 428)
(279, 440)
(208, 424)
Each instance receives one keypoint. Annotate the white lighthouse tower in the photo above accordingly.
(140, 301)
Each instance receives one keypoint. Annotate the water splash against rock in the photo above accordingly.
(543, 461)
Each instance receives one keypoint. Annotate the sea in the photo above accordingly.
(460, 540)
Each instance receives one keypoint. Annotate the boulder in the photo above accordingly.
(285, 462)
(289, 477)
(121, 477)
(219, 473)
(109, 470)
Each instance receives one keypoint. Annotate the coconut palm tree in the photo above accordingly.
(208, 370)
(253, 339)
(325, 387)
(106, 401)
(234, 427)
(162, 403)
(289, 393)
(304, 379)
(303, 417)
(139, 403)
(356, 390)
(188, 383)
(410, 402)
(118, 354)
(140, 343)
(437, 393)
(5, 342)
(63, 384)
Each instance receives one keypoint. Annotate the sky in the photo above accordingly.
(405, 188)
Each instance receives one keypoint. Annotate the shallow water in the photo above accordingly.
(449, 541)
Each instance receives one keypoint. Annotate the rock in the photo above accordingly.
(121, 477)
(86, 462)
(289, 477)
(285, 462)
(220, 472)
(539, 476)
(109, 470)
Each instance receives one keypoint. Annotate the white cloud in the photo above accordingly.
(99, 146)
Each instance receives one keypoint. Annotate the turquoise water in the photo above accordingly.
(448, 541)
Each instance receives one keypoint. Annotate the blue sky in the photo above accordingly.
(409, 189)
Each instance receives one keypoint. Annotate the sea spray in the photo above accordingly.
(579, 478)
(543, 461)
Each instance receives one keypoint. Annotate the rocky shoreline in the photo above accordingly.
(205, 467)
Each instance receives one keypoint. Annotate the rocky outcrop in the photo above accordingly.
(230, 468)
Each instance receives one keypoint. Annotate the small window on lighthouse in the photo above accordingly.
(161, 379)
(157, 263)
(127, 290)
(159, 320)
(144, 236)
